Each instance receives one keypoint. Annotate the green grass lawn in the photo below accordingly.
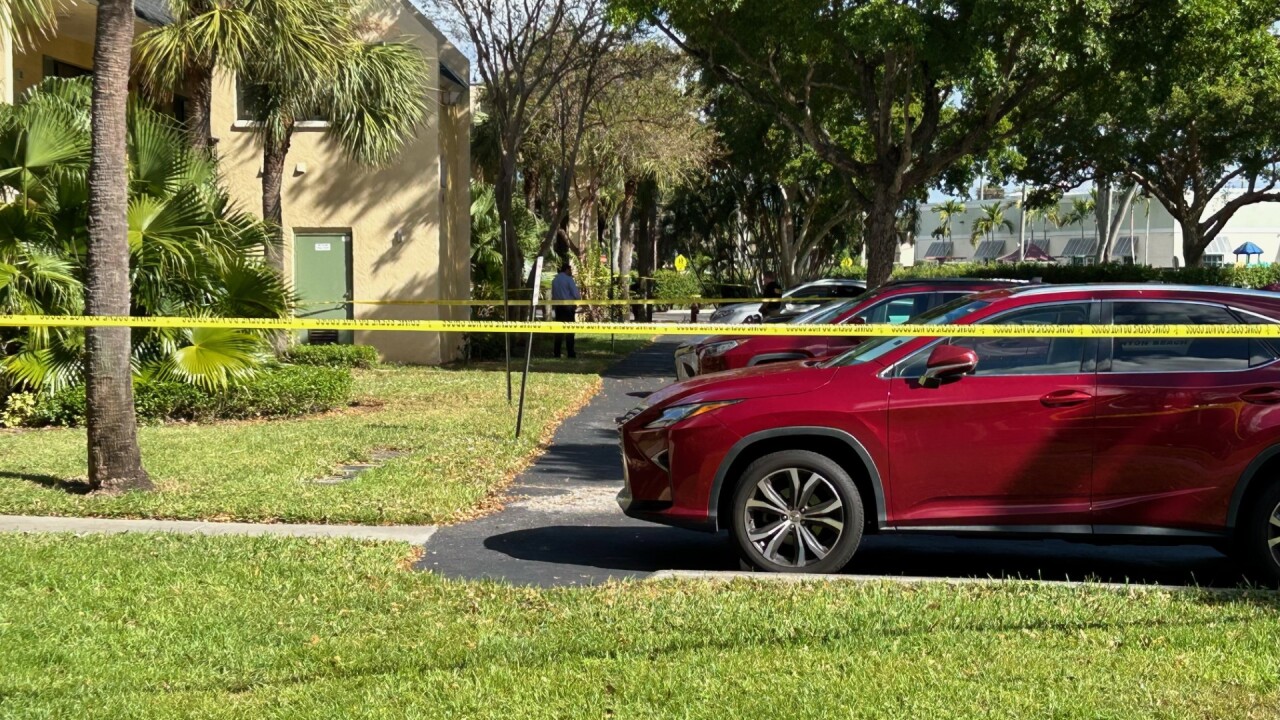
(453, 424)
(153, 626)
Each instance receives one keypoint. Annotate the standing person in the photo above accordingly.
(771, 290)
(564, 288)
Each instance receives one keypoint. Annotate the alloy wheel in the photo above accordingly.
(795, 517)
(1273, 535)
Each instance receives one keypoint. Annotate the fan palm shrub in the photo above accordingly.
(192, 253)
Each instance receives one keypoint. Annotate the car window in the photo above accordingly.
(1020, 356)
(1163, 355)
(877, 347)
(895, 310)
(824, 314)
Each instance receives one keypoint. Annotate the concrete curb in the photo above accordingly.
(415, 534)
(796, 578)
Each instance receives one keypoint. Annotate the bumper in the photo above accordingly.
(656, 511)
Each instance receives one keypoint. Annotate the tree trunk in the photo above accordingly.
(626, 241)
(115, 461)
(787, 237)
(1193, 241)
(881, 235)
(199, 111)
(274, 156)
(504, 192)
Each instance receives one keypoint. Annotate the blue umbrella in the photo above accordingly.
(1248, 249)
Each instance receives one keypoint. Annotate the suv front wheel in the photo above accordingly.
(1260, 537)
(797, 511)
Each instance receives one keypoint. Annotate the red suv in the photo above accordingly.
(895, 302)
(1172, 440)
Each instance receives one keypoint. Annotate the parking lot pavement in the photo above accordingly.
(561, 526)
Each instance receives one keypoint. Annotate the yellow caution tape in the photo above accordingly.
(768, 330)
(519, 302)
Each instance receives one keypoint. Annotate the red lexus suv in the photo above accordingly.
(896, 302)
(1172, 440)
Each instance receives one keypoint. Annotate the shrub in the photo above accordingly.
(279, 391)
(19, 410)
(673, 285)
(334, 356)
(1254, 276)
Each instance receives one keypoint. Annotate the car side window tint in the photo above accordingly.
(1021, 356)
(1032, 355)
(895, 310)
(1165, 355)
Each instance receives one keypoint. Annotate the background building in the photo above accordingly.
(399, 233)
(1148, 235)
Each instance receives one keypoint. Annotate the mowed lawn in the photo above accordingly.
(453, 425)
(156, 626)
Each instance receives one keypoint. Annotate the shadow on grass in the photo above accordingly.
(70, 487)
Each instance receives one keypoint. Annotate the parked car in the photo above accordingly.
(1129, 439)
(894, 302)
(798, 299)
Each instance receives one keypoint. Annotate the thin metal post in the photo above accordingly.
(506, 307)
(528, 350)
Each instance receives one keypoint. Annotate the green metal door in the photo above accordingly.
(322, 279)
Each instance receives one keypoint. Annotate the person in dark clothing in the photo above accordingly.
(563, 287)
(771, 290)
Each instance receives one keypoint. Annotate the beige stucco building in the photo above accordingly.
(397, 233)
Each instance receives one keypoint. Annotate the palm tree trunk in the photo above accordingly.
(275, 152)
(199, 110)
(115, 461)
(627, 241)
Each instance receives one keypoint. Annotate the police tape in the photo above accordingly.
(523, 302)
(650, 329)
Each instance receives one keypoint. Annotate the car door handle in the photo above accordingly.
(1065, 398)
(1262, 396)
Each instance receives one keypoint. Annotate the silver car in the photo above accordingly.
(688, 362)
(802, 298)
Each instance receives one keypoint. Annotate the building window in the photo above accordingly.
(180, 108)
(54, 67)
(250, 101)
(1213, 260)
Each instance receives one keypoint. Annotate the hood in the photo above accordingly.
(774, 380)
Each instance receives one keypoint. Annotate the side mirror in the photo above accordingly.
(857, 321)
(948, 362)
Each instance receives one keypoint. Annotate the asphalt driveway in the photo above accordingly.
(561, 526)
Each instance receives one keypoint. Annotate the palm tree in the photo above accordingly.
(190, 252)
(206, 35)
(1081, 209)
(991, 221)
(115, 461)
(372, 94)
(25, 19)
(947, 211)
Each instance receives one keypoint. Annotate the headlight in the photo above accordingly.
(720, 348)
(673, 415)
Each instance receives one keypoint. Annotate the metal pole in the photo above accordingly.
(528, 350)
(1022, 225)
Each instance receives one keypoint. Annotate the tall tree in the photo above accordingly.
(115, 461)
(893, 94)
(523, 51)
(1189, 116)
(991, 221)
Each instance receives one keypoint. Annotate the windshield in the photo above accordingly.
(876, 347)
(824, 315)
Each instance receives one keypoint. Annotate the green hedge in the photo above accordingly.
(1254, 276)
(280, 391)
(673, 285)
(335, 356)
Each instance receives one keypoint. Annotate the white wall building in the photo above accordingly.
(1146, 237)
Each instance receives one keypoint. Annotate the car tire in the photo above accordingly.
(797, 511)
(1259, 537)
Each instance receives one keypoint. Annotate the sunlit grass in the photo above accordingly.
(166, 626)
(454, 426)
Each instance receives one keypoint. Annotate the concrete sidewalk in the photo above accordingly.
(416, 534)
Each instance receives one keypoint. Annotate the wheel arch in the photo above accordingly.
(1260, 474)
(838, 445)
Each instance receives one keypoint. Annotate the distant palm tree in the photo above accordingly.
(991, 221)
(946, 212)
(1081, 210)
